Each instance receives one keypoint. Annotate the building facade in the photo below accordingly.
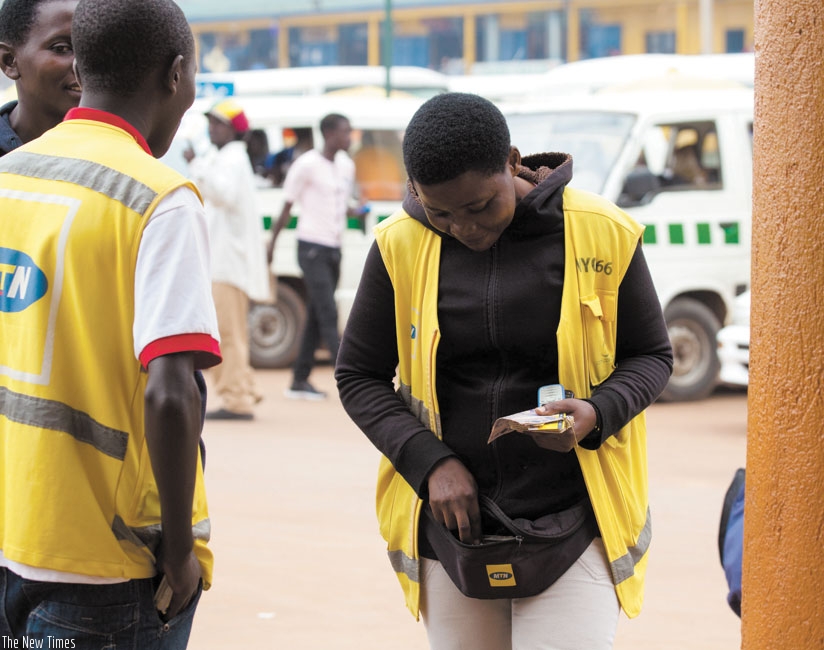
(460, 36)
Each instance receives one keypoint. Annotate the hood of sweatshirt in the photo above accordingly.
(549, 172)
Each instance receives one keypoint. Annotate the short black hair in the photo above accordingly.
(119, 43)
(453, 133)
(331, 122)
(17, 17)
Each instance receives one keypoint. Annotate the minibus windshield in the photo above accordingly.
(594, 138)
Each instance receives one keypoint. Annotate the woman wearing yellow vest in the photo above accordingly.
(493, 280)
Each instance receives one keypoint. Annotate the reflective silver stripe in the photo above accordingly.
(402, 563)
(56, 416)
(124, 533)
(149, 536)
(105, 180)
(419, 410)
(202, 530)
(624, 567)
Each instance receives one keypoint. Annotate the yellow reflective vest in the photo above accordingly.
(600, 241)
(78, 493)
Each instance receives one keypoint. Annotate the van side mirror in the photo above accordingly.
(639, 188)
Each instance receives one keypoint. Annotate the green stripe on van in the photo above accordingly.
(703, 233)
(730, 232)
(676, 233)
(675, 230)
(268, 221)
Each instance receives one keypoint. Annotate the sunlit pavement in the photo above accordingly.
(300, 564)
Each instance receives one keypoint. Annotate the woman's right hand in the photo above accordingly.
(453, 499)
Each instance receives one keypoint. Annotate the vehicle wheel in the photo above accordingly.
(275, 329)
(692, 329)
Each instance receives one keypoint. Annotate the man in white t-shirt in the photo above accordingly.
(226, 180)
(105, 315)
(321, 182)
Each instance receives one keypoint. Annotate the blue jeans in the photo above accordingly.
(88, 617)
(321, 272)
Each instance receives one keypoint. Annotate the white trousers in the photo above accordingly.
(579, 612)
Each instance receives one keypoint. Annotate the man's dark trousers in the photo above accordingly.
(321, 271)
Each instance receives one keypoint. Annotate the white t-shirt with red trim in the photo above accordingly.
(174, 311)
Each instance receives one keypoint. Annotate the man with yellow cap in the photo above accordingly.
(225, 178)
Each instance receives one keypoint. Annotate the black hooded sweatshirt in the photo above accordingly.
(9, 140)
(498, 312)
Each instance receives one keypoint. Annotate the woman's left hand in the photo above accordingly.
(583, 414)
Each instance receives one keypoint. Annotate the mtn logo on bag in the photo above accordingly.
(22, 283)
(500, 575)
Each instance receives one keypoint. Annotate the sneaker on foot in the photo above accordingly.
(304, 390)
(225, 414)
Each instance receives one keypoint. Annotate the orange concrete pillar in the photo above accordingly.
(784, 513)
(373, 42)
(470, 42)
(682, 28)
(283, 46)
(573, 32)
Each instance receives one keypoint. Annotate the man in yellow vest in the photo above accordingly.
(493, 280)
(105, 314)
(36, 53)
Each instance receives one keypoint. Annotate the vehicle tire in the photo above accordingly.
(692, 329)
(275, 329)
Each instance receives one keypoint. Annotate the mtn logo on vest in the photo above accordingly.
(22, 283)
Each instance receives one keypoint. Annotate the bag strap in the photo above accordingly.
(494, 510)
(571, 518)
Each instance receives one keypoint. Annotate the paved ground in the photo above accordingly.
(300, 564)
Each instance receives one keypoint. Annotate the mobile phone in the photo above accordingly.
(163, 596)
(551, 393)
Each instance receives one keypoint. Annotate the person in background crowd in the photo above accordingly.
(106, 527)
(239, 272)
(731, 538)
(36, 53)
(296, 142)
(257, 146)
(321, 182)
(476, 294)
(378, 173)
